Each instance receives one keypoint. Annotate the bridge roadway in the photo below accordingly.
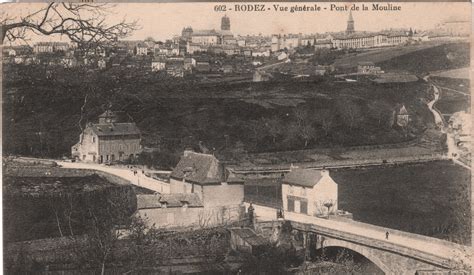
(426, 249)
(139, 179)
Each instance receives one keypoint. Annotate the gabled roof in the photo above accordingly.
(202, 169)
(115, 129)
(199, 168)
(303, 177)
(171, 200)
(403, 111)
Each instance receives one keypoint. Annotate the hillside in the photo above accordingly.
(44, 119)
(442, 57)
(421, 58)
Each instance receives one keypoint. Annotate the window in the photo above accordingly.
(83, 156)
(93, 139)
(291, 205)
(304, 207)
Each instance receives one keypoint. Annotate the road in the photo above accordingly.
(139, 179)
(437, 115)
(453, 152)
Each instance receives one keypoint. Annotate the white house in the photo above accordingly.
(159, 64)
(311, 192)
(204, 175)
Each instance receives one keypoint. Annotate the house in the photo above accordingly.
(228, 69)
(169, 210)
(259, 76)
(206, 37)
(189, 63)
(101, 64)
(368, 68)
(203, 65)
(421, 37)
(402, 117)
(461, 124)
(107, 141)
(141, 49)
(204, 175)
(192, 48)
(50, 47)
(247, 51)
(322, 44)
(261, 52)
(311, 192)
(320, 70)
(175, 68)
(158, 64)
(282, 56)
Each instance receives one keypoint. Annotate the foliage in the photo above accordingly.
(46, 121)
(82, 23)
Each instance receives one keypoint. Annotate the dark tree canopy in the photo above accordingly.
(83, 24)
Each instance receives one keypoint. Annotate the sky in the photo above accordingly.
(164, 20)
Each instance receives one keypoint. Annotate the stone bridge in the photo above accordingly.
(401, 253)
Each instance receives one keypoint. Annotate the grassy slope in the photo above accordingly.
(431, 199)
(442, 57)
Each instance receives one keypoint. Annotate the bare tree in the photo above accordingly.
(349, 111)
(82, 23)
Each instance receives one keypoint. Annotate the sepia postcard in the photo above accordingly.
(236, 137)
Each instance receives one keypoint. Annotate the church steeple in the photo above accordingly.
(350, 24)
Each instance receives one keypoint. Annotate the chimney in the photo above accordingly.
(324, 172)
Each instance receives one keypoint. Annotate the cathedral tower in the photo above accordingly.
(225, 23)
(350, 24)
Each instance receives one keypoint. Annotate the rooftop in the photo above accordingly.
(115, 129)
(303, 177)
(201, 168)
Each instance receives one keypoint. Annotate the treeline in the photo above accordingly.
(48, 107)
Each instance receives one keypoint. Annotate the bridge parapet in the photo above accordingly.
(438, 252)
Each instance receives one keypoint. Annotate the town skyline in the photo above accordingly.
(152, 21)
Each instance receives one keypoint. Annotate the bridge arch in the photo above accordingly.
(361, 250)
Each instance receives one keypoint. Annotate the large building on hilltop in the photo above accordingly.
(350, 39)
(200, 40)
(107, 141)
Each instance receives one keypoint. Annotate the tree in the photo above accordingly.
(328, 205)
(83, 24)
(349, 111)
(273, 127)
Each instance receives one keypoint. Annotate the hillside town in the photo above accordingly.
(218, 52)
(212, 152)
